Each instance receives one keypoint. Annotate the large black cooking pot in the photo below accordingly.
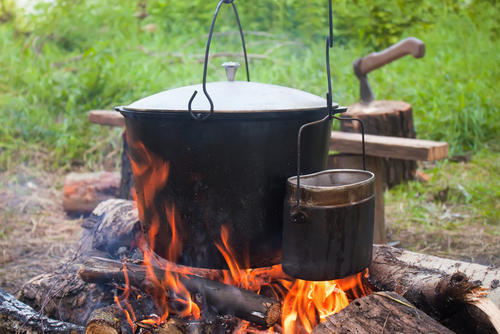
(229, 169)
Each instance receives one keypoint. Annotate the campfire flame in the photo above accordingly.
(304, 303)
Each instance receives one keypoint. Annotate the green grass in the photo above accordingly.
(56, 66)
(457, 196)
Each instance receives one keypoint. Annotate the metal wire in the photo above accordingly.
(204, 116)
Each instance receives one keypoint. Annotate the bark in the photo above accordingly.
(445, 289)
(83, 191)
(386, 118)
(112, 225)
(383, 312)
(222, 298)
(64, 296)
(16, 317)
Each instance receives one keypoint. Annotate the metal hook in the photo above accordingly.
(204, 116)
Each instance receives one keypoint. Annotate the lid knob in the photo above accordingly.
(231, 68)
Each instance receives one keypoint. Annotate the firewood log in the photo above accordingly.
(103, 321)
(17, 317)
(448, 290)
(113, 224)
(83, 191)
(224, 299)
(382, 312)
(64, 296)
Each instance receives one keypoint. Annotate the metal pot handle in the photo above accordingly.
(296, 215)
(202, 116)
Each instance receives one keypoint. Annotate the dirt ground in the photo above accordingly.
(36, 235)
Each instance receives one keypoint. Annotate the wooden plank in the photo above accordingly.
(106, 117)
(389, 147)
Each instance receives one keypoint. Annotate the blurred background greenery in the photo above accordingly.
(65, 57)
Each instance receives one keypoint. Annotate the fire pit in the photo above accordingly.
(111, 286)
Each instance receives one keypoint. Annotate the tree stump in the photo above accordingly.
(386, 118)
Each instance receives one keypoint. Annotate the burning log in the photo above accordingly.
(16, 317)
(82, 192)
(222, 298)
(436, 286)
(381, 312)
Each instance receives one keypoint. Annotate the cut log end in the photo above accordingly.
(100, 328)
(273, 315)
(103, 321)
(378, 107)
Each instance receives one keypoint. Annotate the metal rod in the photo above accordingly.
(242, 39)
(330, 21)
(201, 116)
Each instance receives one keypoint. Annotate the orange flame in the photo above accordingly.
(304, 303)
(168, 292)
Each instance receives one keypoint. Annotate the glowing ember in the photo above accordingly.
(304, 303)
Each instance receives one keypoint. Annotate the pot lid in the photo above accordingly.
(231, 97)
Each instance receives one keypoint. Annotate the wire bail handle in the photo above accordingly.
(297, 215)
(203, 116)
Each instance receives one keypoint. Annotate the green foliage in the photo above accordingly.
(79, 55)
(456, 195)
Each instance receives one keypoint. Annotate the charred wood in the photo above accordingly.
(382, 312)
(221, 298)
(17, 317)
(112, 225)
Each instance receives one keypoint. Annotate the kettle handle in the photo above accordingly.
(202, 116)
(299, 139)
